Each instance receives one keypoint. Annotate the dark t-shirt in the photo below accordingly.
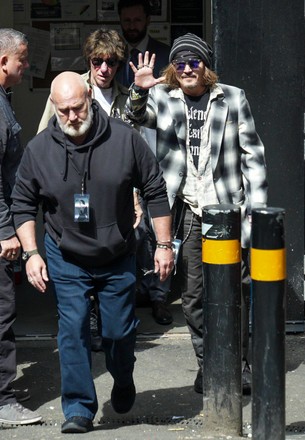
(196, 107)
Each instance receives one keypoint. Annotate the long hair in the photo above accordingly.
(10, 40)
(107, 42)
(209, 77)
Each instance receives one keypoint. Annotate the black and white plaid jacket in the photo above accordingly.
(237, 153)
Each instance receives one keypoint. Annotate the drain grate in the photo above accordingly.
(151, 420)
(296, 428)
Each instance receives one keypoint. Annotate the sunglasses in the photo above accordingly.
(111, 62)
(180, 65)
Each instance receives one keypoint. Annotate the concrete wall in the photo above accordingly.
(260, 48)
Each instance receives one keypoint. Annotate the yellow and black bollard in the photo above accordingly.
(221, 258)
(268, 272)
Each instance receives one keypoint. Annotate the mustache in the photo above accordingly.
(188, 75)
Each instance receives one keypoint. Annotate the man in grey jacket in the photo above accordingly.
(209, 152)
(13, 62)
(105, 52)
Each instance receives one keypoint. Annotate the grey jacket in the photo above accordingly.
(10, 155)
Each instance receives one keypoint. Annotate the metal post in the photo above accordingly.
(221, 257)
(268, 272)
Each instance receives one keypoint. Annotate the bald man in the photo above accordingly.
(86, 161)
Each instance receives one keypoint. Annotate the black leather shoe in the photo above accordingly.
(198, 383)
(122, 398)
(161, 313)
(246, 378)
(95, 329)
(77, 425)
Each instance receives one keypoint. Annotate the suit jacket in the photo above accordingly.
(153, 46)
(237, 153)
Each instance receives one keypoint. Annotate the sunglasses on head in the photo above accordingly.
(111, 62)
(192, 63)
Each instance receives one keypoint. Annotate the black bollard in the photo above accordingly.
(268, 272)
(221, 257)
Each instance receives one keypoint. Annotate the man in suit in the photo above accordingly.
(134, 19)
(210, 153)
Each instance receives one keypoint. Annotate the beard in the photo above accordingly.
(134, 37)
(190, 86)
(82, 128)
(196, 82)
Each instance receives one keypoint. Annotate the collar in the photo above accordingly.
(7, 93)
(216, 92)
(141, 46)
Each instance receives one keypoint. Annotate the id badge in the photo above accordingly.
(81, 208)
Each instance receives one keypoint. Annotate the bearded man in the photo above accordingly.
(86, 161)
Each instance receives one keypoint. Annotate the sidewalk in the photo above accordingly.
(166, 406)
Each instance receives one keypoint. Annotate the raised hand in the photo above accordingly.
(144, 77)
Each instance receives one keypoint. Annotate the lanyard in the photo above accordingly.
(85, 172)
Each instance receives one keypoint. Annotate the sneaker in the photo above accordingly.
(16, 414)
(246, 377)
(77, 425)
(122, 398)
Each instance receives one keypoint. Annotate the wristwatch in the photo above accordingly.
(27, 254)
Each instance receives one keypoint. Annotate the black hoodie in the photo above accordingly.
(112, 161)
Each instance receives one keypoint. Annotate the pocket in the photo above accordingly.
(104, 243)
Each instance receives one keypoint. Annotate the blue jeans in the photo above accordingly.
(115, 286)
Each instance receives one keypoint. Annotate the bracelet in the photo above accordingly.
(164, 246)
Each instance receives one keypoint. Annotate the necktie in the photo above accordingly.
(134, 58)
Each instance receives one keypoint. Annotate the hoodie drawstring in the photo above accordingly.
(65, 172)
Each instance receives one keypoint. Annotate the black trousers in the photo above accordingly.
(190, 267)
(7, 338)
(150, 284)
